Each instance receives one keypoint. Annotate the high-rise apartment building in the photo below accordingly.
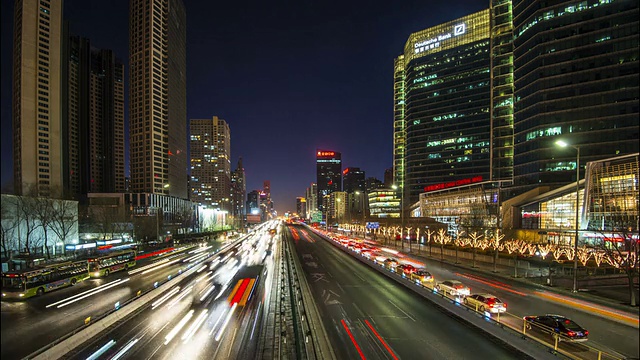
(328, 173)
(38, 137)
(446, 102)
(311, 195)
(157, 97)
(211, 163)
(301, 207)
(94, 118)
(576, 79)
(353, 180)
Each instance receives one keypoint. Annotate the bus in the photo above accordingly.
(103, 265)
(26, 283)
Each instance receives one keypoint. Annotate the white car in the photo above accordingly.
(453, 288)
(485, 302)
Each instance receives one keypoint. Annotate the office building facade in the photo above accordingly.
(328, 173)
(576, 79)
(211, 163)
(353, 179)
(157, 97)
(38, 152)
(446, 105)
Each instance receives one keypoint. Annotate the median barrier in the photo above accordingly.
(316, 330)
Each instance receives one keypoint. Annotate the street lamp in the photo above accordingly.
(563, 144)
(396, 187)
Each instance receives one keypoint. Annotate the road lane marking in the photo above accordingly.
(404, 312)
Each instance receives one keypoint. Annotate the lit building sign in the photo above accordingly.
(434, 42)
(326, 153)
(451, 184)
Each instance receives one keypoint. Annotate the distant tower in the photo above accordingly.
(238, 191)
(210, 163)
(328, 173)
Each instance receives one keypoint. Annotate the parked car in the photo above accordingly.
(421, 277)
(557, 324)
(453, 288)
(485, 302)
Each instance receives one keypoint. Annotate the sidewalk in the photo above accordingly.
(613, 298)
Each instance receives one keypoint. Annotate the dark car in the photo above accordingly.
(556, 324)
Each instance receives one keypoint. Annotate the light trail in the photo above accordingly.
(226, 322)
(185, 292)
(82, 293)
(160, 266)
(195, 326)
(353, 340)
(164, 298)
(178, 327)
(102, 350)
(124, 349)
(381, 339)
(93, 293)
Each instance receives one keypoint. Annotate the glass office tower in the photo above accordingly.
(447, 103)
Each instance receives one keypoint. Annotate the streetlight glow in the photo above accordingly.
(564, 144)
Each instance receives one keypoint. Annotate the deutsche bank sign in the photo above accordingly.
(434, 42)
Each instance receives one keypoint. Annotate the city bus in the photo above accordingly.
(26, 283)
(103, 265)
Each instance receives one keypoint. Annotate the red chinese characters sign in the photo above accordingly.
(451, 184)
(326, 153)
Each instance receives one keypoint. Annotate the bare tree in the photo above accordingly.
(26, 209)
(516, 247)
(64, 219)
(9, 221)
(623, 254)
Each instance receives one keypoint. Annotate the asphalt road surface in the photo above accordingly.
(369, 316)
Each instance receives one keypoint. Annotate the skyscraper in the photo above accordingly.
(37, 97)
(446, 104)
(157, 97)
(353, 180)
(238, 191)
(210, 163)
(94, 118)
(328, 173)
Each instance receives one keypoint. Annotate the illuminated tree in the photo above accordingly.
(623, 254)
(442, 238)
(458, 241)
(475, 241)
(516, 247)
(496, 243)
(584, 254)
(429, 233)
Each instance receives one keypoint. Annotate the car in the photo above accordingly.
(558, 324)
(421, 277)
(453, 287)
(390, 263)
(485, 302)
(407, 269)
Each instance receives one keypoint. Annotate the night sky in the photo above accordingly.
(289, 77)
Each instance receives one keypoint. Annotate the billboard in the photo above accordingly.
(253, 219)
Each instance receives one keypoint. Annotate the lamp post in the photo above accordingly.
(575, 243)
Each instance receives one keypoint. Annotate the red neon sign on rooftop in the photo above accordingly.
(451, 184)
(326, 153)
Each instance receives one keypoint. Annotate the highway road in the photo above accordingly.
(31, 324)
(369, 316)
(522, 300)
(207, 315)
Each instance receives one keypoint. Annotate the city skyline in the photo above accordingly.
(360, 127)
